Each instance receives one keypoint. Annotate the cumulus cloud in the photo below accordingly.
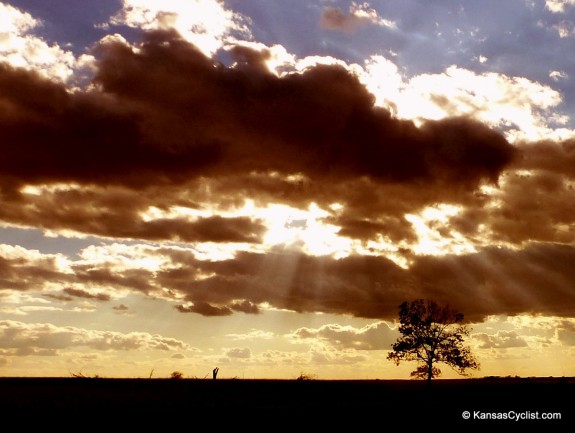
(557, 75)
(37, 338)
(21, 269)
(500, 340)
(520, 107)
(565, 29)
(558, 6)
(377, 336)
(238, 352)
(19, 48)
(205, 23)
(255, 334)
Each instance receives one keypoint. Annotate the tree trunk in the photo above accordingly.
(429, 371)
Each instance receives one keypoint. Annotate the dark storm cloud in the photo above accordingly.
(551, 157)
(50, 135)
(535, 201)
(536, 280)
(295, 282)
(166, 126)
(165, 117)
(545, 214)
(167, 112)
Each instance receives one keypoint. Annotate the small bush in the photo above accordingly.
(305, 376)
(177, 375)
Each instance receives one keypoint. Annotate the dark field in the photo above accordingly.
(378, 403)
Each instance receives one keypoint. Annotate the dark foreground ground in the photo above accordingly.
(190, 403)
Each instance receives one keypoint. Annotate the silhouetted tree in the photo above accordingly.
(215, 373)
(431, 334)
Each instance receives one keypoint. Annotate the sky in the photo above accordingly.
(258, 185)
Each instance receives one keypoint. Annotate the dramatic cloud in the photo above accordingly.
(240, 131)
(510, 216)
(319, 123)
(492, 281)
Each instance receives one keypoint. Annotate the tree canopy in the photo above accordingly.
(432, 334)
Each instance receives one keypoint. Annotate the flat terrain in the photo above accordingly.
(58, 401)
